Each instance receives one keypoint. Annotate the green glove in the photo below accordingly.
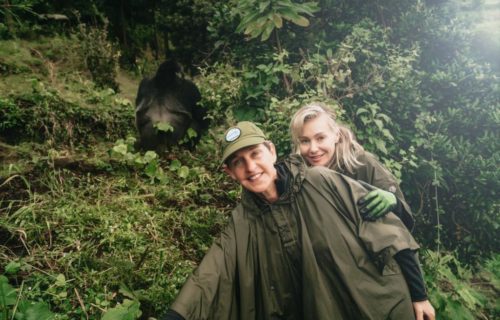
(376, 204)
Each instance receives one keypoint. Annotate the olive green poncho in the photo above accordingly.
(308, 255)
(372, 172)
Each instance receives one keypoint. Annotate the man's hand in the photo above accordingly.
(424, 310)
(376, 204)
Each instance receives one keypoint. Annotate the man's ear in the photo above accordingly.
(273, 151)
(228, 171)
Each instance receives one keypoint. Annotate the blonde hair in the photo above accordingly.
(346, 149)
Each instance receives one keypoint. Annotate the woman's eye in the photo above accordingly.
(304, 142)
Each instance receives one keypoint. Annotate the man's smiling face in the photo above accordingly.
(253, 168)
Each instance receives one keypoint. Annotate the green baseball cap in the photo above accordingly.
(243, 135)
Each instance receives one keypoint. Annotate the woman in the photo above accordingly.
(296, 248)
(324, 142)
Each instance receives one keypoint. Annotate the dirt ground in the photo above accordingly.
(128, 86)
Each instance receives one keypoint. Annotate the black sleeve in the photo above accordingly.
(399, 211)
(398, 208)
(172, 315)
(413, 276)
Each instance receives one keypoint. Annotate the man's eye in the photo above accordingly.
(256, 153)
(236, 163)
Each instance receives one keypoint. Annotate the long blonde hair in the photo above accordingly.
(346, 149)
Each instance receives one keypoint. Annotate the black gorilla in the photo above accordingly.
(167, 98)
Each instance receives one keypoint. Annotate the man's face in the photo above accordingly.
(253, 168)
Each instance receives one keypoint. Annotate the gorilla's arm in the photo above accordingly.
(191, 96)
(145, 90)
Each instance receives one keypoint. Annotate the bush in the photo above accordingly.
(100, 55)
(106, 237)
(44, 116)
(456, 291)
(220, 88)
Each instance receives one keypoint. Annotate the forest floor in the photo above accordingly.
(128, 85)
(91, 226)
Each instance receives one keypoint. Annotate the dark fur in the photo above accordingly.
(168, 98)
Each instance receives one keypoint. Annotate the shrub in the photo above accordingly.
(100, 55)
(456, 291)
(44, 115)
(220, 88)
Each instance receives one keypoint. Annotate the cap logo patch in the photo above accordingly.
(233, 134)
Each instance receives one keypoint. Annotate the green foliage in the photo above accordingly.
(220, 87)
(456, 293)
(13, 306)
(113, 228)
(128, 310)
(261, 18)
(15, 59)
(278, 116)
(260, 83)
(11, 13)
(375, 122)
(458, 145)
(164, 126)
(100, 55)
(7, 296)
(44, 115)
(123, 151)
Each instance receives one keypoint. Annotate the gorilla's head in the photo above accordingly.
(167, 72)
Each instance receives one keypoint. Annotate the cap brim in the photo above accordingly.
(243, 143)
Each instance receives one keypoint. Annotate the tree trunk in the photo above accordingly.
(286, 81)
(123, 25)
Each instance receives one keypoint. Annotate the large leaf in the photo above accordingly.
(278, 21)
(128, 310)
(264, 5)
(164, 126)
(248, 19)
(267, 32)
(7, 293)
(38, 311)
(260, 18)
(301, 21)
(289, 14)
(12, 267)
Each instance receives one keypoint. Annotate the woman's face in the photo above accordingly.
(317, 141)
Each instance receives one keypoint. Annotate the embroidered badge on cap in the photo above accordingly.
(233, 134)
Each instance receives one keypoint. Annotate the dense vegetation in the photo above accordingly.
(92, 229)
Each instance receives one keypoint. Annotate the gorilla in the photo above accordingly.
(166, 107)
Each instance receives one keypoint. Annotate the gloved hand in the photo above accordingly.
(376, 204)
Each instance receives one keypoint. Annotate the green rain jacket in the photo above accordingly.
(372, 172)
(309, 255)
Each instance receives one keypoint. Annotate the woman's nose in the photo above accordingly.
(313, 147)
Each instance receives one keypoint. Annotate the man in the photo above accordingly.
(296, 247)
